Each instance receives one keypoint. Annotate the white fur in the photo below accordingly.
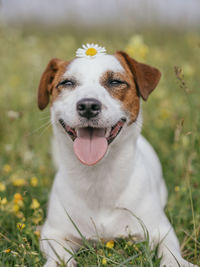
(118, 195)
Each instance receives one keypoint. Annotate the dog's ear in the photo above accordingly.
(46, 82)
(145, 76)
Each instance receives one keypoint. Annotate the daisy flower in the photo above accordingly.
(90, 51)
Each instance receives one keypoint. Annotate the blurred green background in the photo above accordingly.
(171, 124)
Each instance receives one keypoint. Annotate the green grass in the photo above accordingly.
(171, 124)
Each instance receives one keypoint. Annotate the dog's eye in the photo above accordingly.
(116, 82)
(67, 83)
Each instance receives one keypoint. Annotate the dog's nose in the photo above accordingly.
(88, 107)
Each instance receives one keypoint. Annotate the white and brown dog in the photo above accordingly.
(109, 178)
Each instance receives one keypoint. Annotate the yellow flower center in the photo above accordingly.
(91, 51)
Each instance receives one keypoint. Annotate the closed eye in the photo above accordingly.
(67, 83)
(116, 82)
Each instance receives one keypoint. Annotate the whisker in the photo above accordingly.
(42, 126)
(44, 118)
(47, 127)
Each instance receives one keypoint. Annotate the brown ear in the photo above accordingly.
(145, 76)
(45, 86)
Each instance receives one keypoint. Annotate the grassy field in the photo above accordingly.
(171, 124)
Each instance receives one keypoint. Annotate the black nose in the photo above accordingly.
(88, 107)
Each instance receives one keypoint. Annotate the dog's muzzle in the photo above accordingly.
(91, 143)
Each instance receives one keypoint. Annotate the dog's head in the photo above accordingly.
(93, 98)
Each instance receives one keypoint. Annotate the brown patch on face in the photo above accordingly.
(138, 80)
(145, 77)
(122, 87)
(49, 81)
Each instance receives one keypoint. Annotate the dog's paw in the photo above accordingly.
(172, 262)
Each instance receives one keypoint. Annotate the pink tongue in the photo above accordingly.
(90, 146)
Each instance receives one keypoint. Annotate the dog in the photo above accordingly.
(109, 180)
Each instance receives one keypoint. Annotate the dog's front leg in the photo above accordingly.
(56, 248)
(162, 233)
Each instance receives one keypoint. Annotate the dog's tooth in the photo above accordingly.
(108, 132)
(77, 131)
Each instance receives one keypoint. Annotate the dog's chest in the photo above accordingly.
(101, 200)
(102, 187)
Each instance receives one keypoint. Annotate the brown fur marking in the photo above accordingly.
(126, 93)
(49, 80)
(146, 77)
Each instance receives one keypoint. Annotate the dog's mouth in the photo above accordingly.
(90, 144)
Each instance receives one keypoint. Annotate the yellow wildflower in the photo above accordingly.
(37, 233)
(15, 208)
(2, 187)
(20, 215)
(17, 197)
(18, 200)
(136, 47)
(176, 188)
(8, 250)
(3, 201)
(36, 220)
(18, 182)
(110, 244)
(34, 181)
(188, 70)
(104, 261)
(7, 168)
(35, 204)
(21, 226)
